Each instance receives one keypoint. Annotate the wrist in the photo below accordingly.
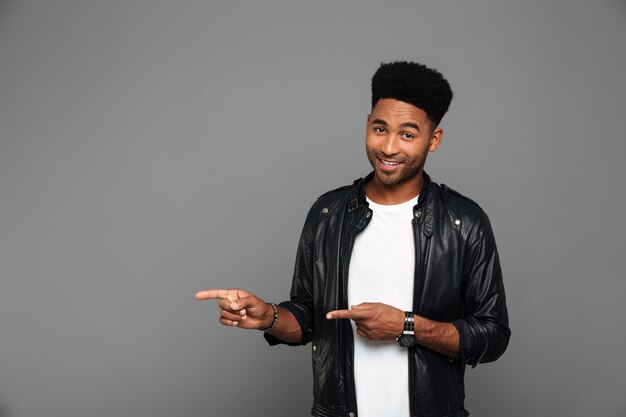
(399, 322)
(270, 317)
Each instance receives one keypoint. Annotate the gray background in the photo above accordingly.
(149, 149)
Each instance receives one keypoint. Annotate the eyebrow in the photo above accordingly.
(413, 125)
(405, 124)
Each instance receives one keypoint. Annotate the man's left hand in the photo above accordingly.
(374, 321)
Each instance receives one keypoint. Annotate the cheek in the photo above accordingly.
(415, 155)
(370, 143)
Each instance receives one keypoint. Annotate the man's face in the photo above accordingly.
(398, 138)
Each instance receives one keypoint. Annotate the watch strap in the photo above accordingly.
(409, 323)
(407, 337)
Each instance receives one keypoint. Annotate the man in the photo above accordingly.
(415, 261)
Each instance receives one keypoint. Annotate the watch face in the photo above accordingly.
(406, 340)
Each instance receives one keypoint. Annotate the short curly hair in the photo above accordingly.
(415, 84)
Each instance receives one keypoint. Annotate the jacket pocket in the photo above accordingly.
(458, 371)
(439, 379)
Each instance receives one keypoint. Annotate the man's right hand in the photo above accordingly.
(240, 308)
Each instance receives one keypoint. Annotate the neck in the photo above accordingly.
(386, 194)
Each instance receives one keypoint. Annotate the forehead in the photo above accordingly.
(390, 109)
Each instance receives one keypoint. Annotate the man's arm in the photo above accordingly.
(439, 336)
(300, 304)
(484, 328)
(378, 321)
(243, 309)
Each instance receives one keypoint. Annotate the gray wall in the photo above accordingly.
(149, 149)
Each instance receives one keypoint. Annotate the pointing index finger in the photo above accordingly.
(342, 314)
(212, 294)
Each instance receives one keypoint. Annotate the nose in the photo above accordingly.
(389, 147)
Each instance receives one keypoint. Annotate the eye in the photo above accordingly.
(379, 130)
(408, 135)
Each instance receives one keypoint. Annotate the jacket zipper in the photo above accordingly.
(417, 278)
(420, 262)
(358, 228)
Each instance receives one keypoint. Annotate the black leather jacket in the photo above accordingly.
(457, 279)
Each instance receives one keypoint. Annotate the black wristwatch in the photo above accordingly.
(407, 338)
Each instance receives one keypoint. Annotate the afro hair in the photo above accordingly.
(415, 84)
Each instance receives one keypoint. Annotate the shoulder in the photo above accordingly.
(458, 201)
(465, 214)
(337, 193)
(331, 201)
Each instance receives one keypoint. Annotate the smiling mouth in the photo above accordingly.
(389, 163)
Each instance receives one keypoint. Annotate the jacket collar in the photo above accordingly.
(424, 207)
(423, 197)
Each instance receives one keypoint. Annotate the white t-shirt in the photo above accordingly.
(382, 269)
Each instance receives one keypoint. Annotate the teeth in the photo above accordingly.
(389, 163)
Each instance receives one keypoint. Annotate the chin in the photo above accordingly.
(396, 178)
(389, 179)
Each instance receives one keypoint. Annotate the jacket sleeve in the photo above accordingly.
(484, 328)
(301, 298)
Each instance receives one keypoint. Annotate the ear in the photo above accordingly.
(435, 139)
